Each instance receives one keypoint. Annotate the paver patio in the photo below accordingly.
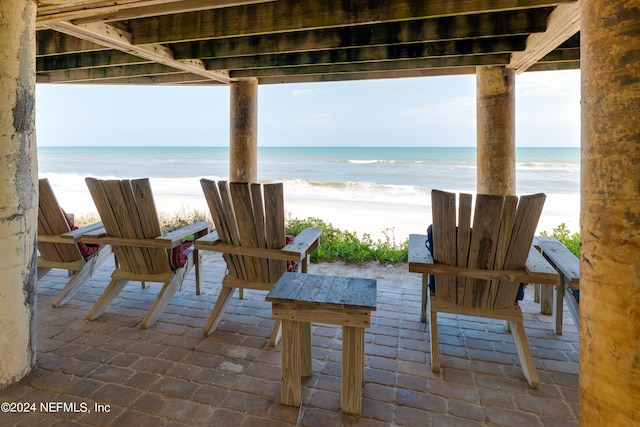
(110, 372)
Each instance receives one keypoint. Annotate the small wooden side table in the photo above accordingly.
(297, 300)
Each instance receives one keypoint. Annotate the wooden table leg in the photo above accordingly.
(546, 299)
(352, 369)
(558, 305)
(290, 389)
(305, 349)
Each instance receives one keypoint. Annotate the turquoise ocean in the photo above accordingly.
(388, 175)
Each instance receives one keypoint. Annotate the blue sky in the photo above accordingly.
(428, 111)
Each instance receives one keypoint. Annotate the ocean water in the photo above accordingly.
(387, 175)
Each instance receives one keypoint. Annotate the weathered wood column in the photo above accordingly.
(243, 157)
(18, 190)
(610, 214)
(496, 130)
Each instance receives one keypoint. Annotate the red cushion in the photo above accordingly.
(178, 256)
(85, 250)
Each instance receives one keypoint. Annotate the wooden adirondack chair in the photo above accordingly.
(478, 270)
(128, 212)
(249, 221)
(58, 245)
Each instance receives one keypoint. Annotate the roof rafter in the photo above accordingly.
(564, 22)
(419, 31)
(372, 54)
(108, 35)
(104, 11)
(293, 15)
(378, 66)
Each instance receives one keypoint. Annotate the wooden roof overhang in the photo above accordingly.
(214, 42)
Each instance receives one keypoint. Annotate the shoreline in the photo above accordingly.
(373, 218)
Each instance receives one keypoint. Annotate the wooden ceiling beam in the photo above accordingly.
(293, 15)
(114, 10)
(107, 58)
(315, 78)
(372, 54)
(429, 30)
(49, 42)
(564, 22)
(381, 66)
(115, 38)
(107, 73)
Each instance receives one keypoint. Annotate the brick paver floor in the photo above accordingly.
(110, 372)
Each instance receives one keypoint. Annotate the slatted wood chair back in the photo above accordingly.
(127, 210)
(249, 216)
(499, 239)
(51, 222)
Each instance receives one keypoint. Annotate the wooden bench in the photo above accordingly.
(568, 267)
(297, 300)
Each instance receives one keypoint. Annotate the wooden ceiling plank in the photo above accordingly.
(115, 38)
(49, 42)
(87, 60)
(444, 62)
(430, 30)
(564, 22)
(97, 74)
(294, 15)
(105, 11)
(182, 6)
(370, 54)
(315, 78)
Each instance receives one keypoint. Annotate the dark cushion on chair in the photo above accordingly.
(432, 279)
(178, 255)
(292, 266)
(85, 249)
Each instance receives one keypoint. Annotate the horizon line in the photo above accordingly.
(285, 146)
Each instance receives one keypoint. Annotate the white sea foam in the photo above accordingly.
(396, 178)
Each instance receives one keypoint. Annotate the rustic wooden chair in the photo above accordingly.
(128, 212)
(250, 232)
(58, 245)
(478, 270)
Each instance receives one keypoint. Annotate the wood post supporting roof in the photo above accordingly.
(496, 130)
(610, 215)
(243, 146)
(288, 41)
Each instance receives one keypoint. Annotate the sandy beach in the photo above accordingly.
(397, 221)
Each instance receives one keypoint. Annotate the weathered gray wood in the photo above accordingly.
(563, 260)
(500, 256)
(131, 224)
(274, 227)
(329, 290)
(483, 246)
(444, 239)
(251, 235)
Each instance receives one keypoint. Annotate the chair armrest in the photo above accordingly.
(418, 252)
(176, 236)
(562, 259)
(73, 235)
(421, 261)
(540, 270)
(305, 242)
(308, 241)
(168, 241)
